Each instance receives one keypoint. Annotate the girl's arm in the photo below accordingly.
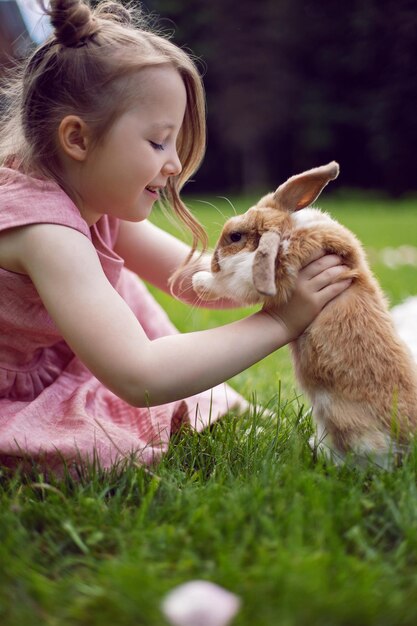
(105, 334)
(154, 255)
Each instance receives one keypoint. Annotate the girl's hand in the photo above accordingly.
(315, 287)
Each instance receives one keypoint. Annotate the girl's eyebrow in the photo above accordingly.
(163, 126)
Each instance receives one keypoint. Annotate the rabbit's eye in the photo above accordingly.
(235, 237)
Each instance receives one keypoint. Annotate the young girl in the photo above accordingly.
(105, 119)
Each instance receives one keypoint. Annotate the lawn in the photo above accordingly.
(245, 505)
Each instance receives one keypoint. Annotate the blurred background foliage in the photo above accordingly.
(292, 84)
(295, 83)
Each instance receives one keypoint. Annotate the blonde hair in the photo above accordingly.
(84, 69)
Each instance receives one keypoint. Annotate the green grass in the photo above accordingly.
(245, 505)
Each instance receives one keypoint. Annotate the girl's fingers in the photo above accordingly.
(320, 265)
(330, 292)
(328, 277)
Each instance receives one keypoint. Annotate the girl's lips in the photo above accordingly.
(153, 191)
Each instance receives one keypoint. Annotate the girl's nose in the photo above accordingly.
(172, 166)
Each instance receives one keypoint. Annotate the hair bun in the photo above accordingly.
(73, 22)
(110, 10)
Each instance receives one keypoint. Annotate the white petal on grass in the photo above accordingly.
(200, 603)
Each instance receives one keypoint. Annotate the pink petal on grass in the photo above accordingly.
(200, 603)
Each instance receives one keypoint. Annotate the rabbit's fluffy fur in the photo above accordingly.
(359, 376)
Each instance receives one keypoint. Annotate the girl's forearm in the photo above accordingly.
(178, 366)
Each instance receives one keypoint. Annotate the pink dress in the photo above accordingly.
(51, 407)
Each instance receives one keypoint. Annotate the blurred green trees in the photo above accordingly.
(295, 83)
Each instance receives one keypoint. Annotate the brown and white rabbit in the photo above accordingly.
(358, 374)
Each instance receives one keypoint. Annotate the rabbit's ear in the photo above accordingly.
(301, 190)
(263, 269)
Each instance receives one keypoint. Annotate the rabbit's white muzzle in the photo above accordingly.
(234, 280)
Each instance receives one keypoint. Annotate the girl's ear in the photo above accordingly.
(74, 137)
(301, 190)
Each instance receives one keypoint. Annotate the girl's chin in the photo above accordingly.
(143, 211)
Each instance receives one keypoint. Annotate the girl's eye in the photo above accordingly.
(157, 146)
(235, 237)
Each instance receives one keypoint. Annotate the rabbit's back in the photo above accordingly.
(356, 370)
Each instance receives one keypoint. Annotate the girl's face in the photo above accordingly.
(124, 174)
